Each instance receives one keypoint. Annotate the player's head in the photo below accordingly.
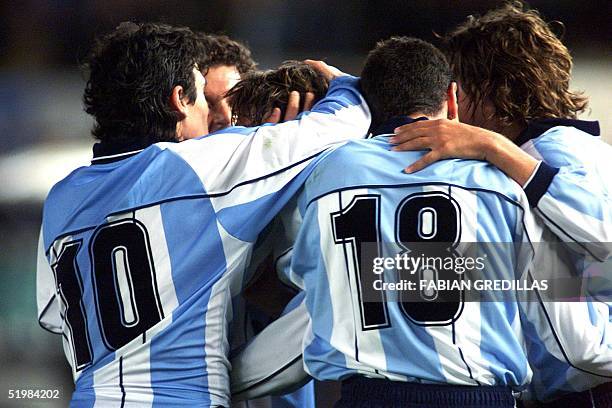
(223, 62)
(258, 93)
(511, 68)
(407, 76)
(144, 86)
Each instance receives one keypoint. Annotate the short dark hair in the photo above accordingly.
(512, 57)
(258, 93)
(402, 76)
(222, 50)
(132, 72)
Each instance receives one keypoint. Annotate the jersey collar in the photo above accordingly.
(104, 153)
(537, 127)
(389, 126)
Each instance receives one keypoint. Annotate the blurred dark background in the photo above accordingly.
(44, 133)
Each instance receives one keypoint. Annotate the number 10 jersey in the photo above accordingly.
(141, 253)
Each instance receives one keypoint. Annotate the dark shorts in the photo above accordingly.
(362, 392)
(598, 397)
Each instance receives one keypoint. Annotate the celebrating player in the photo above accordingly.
(224, 62)
(520, 115)
(141, 252)
(439, 351)
(260, 97)
(259, 94)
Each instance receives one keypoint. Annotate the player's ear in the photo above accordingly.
(178, 102)
(453, 106)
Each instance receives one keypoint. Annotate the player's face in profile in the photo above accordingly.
(196, 122)
(219, 80)
(481, 115)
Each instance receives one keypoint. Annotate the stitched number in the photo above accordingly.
(126, 294)
(426, 224)
(124, 276)
(70, 289)
(357, 224)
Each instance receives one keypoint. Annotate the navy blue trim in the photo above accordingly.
(536, 127)
(110, 149)
(540, 182)
(396, 121)
(431, 183)
(189, 197)
(121, 381)
(108, 160)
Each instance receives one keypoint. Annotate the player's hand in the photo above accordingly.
(293, 107)
(328, 71)
(444, 138)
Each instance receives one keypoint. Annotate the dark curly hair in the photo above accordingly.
(258, 93)
(402, 76)
(132, 72)
(512, 57)
(222, 50)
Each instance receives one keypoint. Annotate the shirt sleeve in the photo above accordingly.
(570, 191)
(46, 299)
(272, 362)
(269, 163)
(578, 333)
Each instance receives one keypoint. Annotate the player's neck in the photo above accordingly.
(420, 115)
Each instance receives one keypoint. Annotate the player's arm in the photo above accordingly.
(271, 363)
(571, 200)
(566, 196)
(269, 162)
(452, 139)
(340, 116)
(46, 300)
(577, 332)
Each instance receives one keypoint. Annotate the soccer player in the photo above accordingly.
(437, 351)
(254, 99)
(142, 251)
(258, 97)
(520, 115)
(223, 62)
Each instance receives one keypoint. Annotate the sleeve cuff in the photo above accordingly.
(538, 183)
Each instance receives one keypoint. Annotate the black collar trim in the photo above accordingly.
(537, 127)
(114, 157)
(389, 126)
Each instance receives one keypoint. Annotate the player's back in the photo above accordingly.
(358, 205)
(141, 252)
(139, 258)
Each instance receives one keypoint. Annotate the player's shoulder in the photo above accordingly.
(352, 160)
(563, 140)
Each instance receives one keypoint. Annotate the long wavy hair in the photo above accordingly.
(511, 57)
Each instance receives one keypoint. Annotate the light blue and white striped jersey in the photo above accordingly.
(140, 254)
(572, 194)
(486, 343)
(359, 193)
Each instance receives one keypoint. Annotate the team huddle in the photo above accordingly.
(227, 245)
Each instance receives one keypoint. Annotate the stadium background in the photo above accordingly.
(44, 133)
